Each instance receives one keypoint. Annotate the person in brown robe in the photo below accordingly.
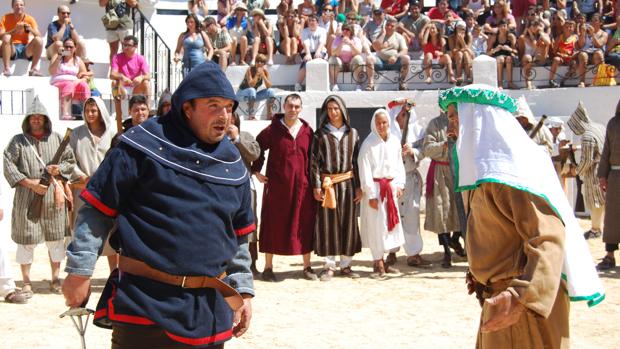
(609, 179)
(515, 244)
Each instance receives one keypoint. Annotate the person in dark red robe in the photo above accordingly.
(288, 213)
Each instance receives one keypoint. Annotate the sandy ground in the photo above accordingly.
(422, 308)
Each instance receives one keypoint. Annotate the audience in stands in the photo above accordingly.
(461, 52)
(503, 47)
(346, 56)
(21, 38)
(262, 32)
(391, 53)
(313, 39)
(563, 51)
(479, 40)
(590, 45)
(238, 27)
(613, 47)
(434, 47)
(411, 26)
(478, 8)
(198, 8)
(290, 36)
(306, 9)
(346, 6)
(533, 47)
(395, 8)
(366, 10)
(224, 9)
(373, 28)
(116, 33)
(220, 40)
(193, 45)
(70, 76)
(256, 77)
(501, 11)
(60, 30)
(256, 4)
(327, 21)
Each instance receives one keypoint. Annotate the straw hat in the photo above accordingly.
(258, 12)
(240, 6)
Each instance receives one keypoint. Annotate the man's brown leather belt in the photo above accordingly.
(139, 268)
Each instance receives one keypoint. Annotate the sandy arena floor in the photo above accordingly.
(422, 308)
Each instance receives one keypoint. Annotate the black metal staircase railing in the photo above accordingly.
(164, 73)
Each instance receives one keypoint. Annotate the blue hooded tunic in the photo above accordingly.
(182, 207)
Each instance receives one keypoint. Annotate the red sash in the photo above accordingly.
(430, 176)
(385, 191)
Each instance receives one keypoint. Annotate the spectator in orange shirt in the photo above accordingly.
(16, 29)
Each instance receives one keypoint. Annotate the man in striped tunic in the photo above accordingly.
(25, 160)
(592, 138)
(336, 184)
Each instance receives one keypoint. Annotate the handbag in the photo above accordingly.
(110, 19)
(605, 75)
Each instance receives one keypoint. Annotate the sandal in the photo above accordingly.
(369, 88)
(391, 259)
(347, 272)
(309, 274)
(16, 297)
(378, 272)
(34, 72)
(55, 286)
(326, 275)
(417, 261)
(27, 290)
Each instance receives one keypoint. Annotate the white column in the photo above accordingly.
(317, 75)
(485, 70)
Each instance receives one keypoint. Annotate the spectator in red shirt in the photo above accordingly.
(395, 8)
(442, 12)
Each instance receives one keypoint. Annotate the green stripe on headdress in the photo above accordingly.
(477, 96)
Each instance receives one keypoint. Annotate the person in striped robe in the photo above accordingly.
(334, 169)
(25, 159)
(592, 138)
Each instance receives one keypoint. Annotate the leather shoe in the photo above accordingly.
(607, 263)
(309, 274)
(268, 275)
(391, 259)
(417, 261)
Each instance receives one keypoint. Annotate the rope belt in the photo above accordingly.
(139, 268)
(329, 200)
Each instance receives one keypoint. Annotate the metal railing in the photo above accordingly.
(13, 102)
(165, 74)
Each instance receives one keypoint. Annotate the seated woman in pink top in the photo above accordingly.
(346, 50)
(69, 75)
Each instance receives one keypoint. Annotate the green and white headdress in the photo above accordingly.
(492, 147)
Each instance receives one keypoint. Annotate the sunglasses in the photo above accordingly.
(71, 47)
(328, 10)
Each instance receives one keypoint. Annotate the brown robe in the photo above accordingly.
(514, 238)
(441, 214)
(611, 157)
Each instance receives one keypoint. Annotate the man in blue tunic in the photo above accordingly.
(180, 193)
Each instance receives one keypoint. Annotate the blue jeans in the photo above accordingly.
(251, 95)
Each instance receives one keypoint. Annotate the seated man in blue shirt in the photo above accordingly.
(60, 30)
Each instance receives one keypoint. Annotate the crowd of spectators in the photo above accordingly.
(368, 36)
(362, 37)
